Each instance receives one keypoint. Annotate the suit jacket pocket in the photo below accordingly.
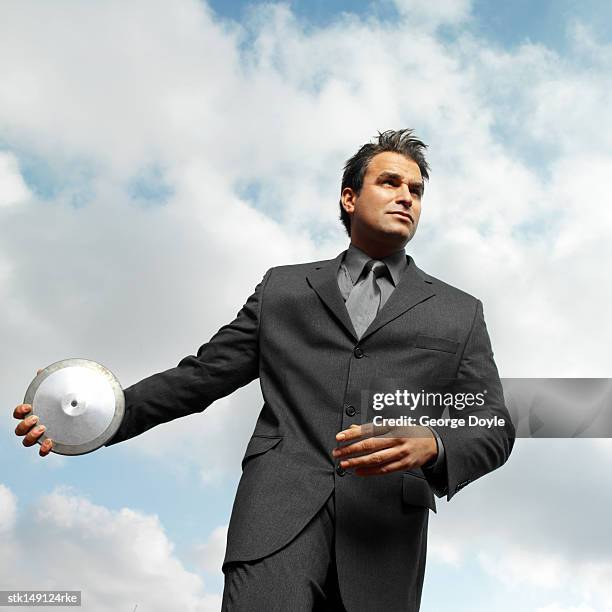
(258, 445)
(436, 343)
(416, 491)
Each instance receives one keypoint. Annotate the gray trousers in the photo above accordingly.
(300, 577)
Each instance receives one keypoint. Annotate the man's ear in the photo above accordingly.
(347, 197)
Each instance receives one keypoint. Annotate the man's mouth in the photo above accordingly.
(401, 213)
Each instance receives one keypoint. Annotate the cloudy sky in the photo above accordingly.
(157, 157)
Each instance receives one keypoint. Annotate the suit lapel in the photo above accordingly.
(324, 280)
(413, 288)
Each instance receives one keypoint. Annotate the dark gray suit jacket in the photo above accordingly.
(294, 333)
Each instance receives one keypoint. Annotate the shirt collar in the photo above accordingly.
(355, 259)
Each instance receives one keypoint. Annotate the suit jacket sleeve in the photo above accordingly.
(471, 452)
(229, 360)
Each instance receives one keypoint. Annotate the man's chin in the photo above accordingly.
(398, 236)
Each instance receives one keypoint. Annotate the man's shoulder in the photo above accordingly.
(445, 290)
(299, 269)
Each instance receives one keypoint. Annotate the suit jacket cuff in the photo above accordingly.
(435, 470)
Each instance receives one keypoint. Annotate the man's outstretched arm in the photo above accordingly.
(228, 361)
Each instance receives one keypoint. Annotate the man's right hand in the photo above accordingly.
(31, 429)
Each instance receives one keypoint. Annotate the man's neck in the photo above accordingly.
(377, 251)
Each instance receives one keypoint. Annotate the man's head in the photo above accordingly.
(382, 188)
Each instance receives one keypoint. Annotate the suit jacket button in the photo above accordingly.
(340, 470)
(350, 410)
(358, 352)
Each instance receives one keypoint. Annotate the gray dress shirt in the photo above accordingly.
(349, 272)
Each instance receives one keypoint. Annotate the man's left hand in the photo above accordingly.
(385, 449)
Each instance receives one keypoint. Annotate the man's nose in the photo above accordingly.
(404, 196)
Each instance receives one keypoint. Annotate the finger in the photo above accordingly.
(394, 466)
(404, 431)
(38, 371)
(381, 430)
(22, 410)
(367, 430)
(25, 425)
(353, 432)
(45, 447)
(33, 435)
(369, 445)
(376, 459)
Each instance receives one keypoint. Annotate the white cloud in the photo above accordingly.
(543, 527)
(554, 607)
(523, 567)
(211, 553)
(434, 13)
(116, 558)
(8, 509)
(13, 189)
(441, 549)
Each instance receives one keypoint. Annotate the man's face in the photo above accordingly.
(387, 211)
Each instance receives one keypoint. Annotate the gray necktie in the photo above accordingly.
(364, 300)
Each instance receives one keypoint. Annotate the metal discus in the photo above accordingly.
(80, 403)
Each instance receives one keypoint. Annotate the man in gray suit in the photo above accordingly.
(331, 513)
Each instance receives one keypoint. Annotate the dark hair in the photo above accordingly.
(400, 141)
